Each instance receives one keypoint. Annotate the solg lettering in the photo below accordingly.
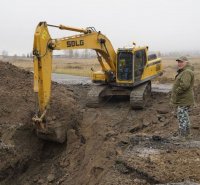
(75, 43)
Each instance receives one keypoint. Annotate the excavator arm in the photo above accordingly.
(42, 68)
(43, 48)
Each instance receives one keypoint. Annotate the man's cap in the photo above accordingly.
(182, 58)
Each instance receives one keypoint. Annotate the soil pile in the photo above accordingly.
(18, 141)
(108, 145)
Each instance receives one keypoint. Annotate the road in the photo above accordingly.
(71, 79)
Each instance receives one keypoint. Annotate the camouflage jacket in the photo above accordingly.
(182, 91)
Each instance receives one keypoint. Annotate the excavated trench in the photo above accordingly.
(108, 145)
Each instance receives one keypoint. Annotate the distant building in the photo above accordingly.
(1, 57)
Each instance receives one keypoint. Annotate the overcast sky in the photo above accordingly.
(165, 25)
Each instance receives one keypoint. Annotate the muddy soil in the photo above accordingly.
(108, 145)
(18, 142)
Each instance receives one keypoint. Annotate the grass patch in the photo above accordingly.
(82, 67)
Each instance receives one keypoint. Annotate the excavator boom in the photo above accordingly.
(43, 48)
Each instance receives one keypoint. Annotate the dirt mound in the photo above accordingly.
(18, 142)
(108, 145)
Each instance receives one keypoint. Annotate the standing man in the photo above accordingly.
(183, 94)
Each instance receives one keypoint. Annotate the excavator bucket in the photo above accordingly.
(53, 132)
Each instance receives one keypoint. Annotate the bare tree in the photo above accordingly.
(76, 54)
(4, 53)
(86, 53)
(71, 53)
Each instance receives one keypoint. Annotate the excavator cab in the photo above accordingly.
(130, 65)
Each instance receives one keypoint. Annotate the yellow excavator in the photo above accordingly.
(128, 71)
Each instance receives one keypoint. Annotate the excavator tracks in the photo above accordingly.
(140, 95)
(94, 97)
